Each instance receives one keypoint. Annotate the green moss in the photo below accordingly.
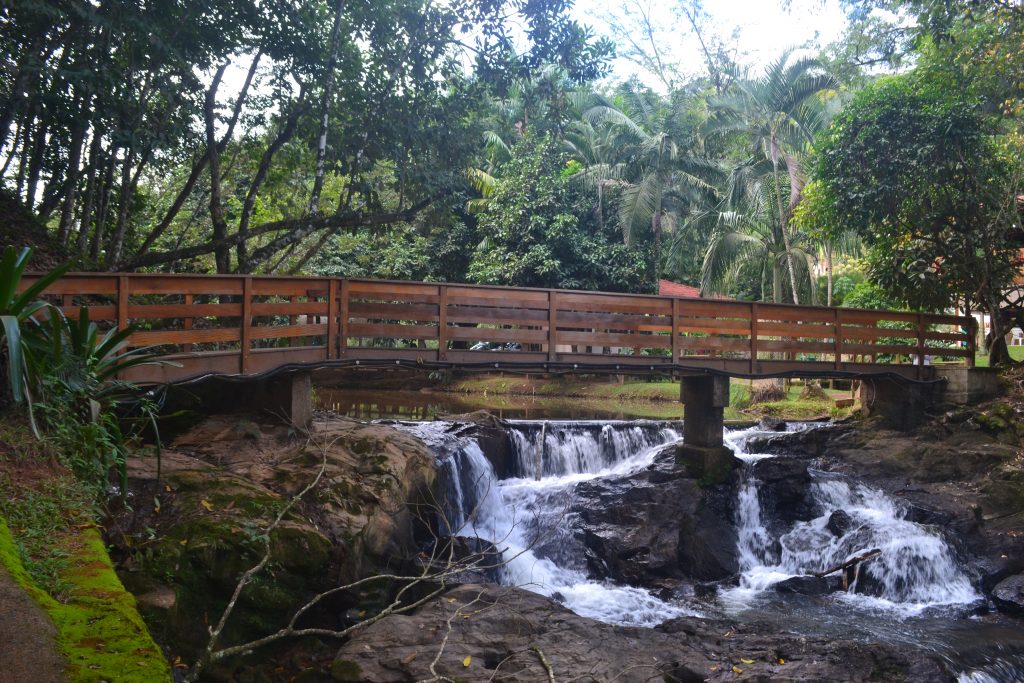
(99, 630)
(346, 670)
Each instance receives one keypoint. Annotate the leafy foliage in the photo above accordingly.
(540, 230)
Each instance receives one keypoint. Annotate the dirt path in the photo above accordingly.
(28, 653)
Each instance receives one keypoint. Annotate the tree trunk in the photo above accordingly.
(90, 193)
(782, 219)
(828, 270)
(67, 212)
(106, 189)
(222, 255)
(325, 108)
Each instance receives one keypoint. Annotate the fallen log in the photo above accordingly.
(869, 555)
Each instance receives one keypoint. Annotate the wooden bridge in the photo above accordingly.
(252, 325)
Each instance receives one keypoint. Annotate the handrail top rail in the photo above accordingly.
(969, 320)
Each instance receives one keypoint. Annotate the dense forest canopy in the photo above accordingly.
(493, 141)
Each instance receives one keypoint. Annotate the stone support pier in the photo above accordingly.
(703, 452)
(287, 397)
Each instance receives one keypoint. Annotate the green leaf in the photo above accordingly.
(15, 359)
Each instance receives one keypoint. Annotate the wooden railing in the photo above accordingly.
(253, 324)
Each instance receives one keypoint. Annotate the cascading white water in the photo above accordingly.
(526, 518)
(916, 568)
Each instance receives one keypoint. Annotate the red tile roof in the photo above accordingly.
(669, 288)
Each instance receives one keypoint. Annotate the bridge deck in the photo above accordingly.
(250, 325)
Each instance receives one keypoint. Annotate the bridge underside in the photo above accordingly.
(182, 368)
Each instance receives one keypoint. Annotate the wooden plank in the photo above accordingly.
(796, 346)
(708, 308)
(715, 343)
(774, 312)
(442, 322)
(392, 311)
(96, 313)
(712, 326)
(497, 316)
(288, 286)
(170, 284)
(614, 303)
(472, 295)
(871, 349)
(386, 331)
(360, 289)
(953, 353)
(205, 336)
(618, 321)
(185, 310)
(854, 316)
(287, 331)
(797, 330)
(972, 342)
(289, 308)
(188, 322)
(246, 332)
(871, 333)
(332, 319)
(69, 284)
(957, 320)
(502, 334)
(755, 315)
(643, 341)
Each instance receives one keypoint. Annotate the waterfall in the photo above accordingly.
(916, 569)
(526, 518)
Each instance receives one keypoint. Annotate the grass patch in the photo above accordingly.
(52, 547)
(1016, 353)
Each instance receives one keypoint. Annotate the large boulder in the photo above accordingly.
(655, 524)
(479, 633)
(785, 492)
(197, 518)
(1009, 595)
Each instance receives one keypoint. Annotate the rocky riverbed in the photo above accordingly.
(645, 534)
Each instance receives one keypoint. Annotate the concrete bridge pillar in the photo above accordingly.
(703, 452)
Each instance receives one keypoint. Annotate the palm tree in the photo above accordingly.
(647, 147)
(745, 232)
(780, 113)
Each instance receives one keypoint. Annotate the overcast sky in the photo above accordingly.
(763, 28)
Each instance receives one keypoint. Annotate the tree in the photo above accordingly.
(539, 230)
(779, 114)
(918, 173)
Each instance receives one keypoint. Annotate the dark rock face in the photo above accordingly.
(772, 424)
(839, 523)
(512, 635)
(656, 524)
(785, 492)
(808, 585)
(492, 435)
(809, 443)
(1009, 595)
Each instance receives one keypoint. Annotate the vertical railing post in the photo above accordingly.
(122, 301)
(920, 345)
(121, 310)
(187, 323)
(332, 318)
(442, 322)
(552, 325)
(753, 337)
(837, 340)
(972, 340)
(343, 313)
(676, 345)
(246, 330)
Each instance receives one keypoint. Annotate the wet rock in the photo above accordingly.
(807, 443)
(222, 484)
(772, 424)
(655, 524)
(808, 585)
(785, 492)
(491, 433)
(1009, 595)
(839, 522)
(512, 635)
(481, 559)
